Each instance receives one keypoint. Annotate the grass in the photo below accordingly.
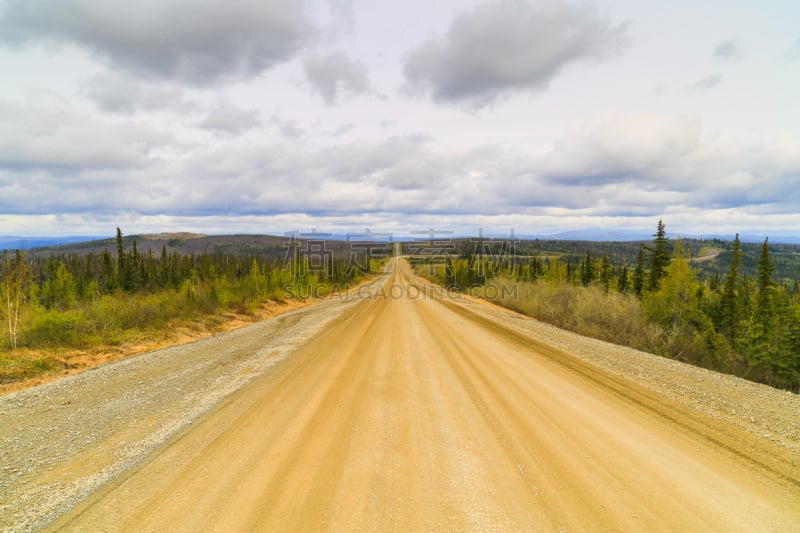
(589, 311)
(67, 350)
(57, 342)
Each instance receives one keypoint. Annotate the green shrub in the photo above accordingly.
(13, 367)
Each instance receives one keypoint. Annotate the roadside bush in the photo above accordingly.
(589, 311)
(50, 328)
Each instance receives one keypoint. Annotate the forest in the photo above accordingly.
(733, 307)
(56, 304)
(651, 296)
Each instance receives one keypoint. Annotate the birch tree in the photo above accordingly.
(15, 276)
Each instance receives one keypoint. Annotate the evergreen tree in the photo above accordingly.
(122, 271)
(605, 271)
(761, 344)
(659, 258)
(587, 270)
(765, 305)
(638, 273)
(731, 304)
(59, 290)
(449, 272)
(622, 281)
(714, 283)
(109, 277)
(133, 274)
(673, 304)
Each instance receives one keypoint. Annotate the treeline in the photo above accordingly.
(79, 301)
(744, 325)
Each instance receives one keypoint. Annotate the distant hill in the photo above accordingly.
(709, 257)
(712, 254)
(8, 242)
(604, 235)
(193, 243)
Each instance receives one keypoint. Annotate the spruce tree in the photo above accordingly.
(659, 259)
(605, 271)
(122, 271)
(765, 308)
(673, 305)
(638, 273)
(587, 270)
(622, 281)
(731, 305)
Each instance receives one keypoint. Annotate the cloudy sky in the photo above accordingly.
(266, 116)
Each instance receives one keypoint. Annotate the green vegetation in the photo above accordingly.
(71, 302)
(654, 299)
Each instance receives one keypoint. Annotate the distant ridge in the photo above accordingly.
(10, 242)
(599, 234)
(179, 235)
(603, 235)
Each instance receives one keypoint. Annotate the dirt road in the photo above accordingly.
(408, 410)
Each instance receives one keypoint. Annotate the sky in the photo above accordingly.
(270, 116)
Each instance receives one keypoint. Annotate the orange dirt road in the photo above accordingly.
(412, 413)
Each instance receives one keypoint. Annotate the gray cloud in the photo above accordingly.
(229, 119)
(335, 74)
(706, 83)
(729, 51)
(509, 45)
(195, 42)
(117, 93)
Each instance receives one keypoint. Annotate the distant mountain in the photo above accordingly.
(196, 243)
(755, 237)
(600, 235)
(604, 235)
(191, 243)
(8, 242)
